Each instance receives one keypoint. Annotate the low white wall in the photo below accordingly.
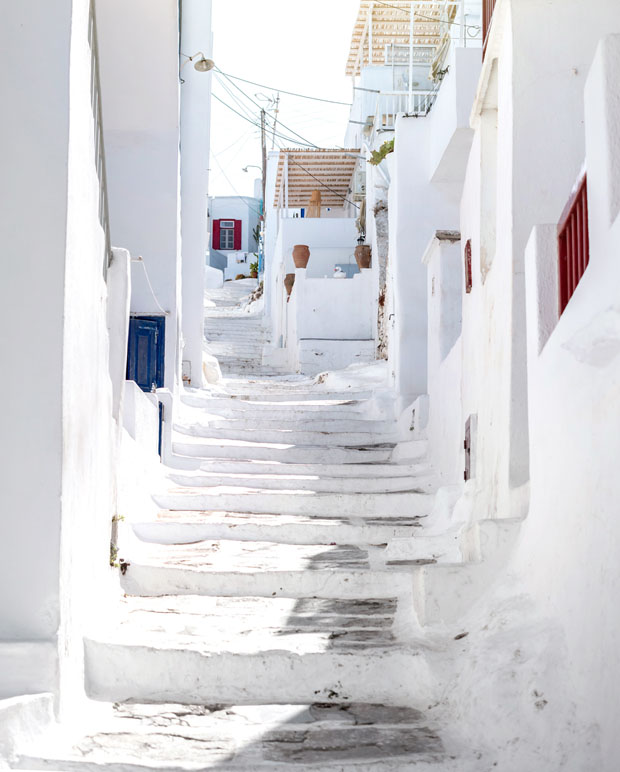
(334, 309)
(323, 260)
(141, 417)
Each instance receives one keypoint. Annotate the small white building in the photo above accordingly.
(234, 225)
(325, 323)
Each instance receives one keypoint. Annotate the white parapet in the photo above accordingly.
(330, 322)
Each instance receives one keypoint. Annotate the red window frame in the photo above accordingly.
(573, 244)
(468, 269)
(488, 6)
(217, 234)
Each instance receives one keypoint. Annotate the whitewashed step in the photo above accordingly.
(267, 569)
(354, 737)
(377, 470)
(213, 448)
(292, 422)
(288, 436)
(272, 391)
(295, 502)
(247, 650)
(232, 407)
(270, 482)
(190, 526)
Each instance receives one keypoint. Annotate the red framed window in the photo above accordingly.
(488, 6)
(573, 244)
(227, 234)
(468, 269)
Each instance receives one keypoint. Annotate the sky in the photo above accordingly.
(284, 44)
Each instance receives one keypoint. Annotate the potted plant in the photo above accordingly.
(254, 269)
(362, 253)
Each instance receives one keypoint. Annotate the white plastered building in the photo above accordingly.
(105, 79)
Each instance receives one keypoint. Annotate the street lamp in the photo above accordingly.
(251, 166)
(201, 65)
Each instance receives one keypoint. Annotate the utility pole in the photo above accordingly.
(275, 122)
(263, 142)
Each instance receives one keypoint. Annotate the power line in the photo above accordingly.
(290, 93)
(254, 123)
(288, 128)
(245, 136)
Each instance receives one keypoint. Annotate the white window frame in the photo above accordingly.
(227, 237)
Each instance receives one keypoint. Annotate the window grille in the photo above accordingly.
(488, 7)
(573, 244)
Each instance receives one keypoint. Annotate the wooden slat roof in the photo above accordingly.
(392, 25)
(327, 170)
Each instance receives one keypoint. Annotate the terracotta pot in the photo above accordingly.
(301, 255)
(362, 256)
(253, 275)
(289, 280)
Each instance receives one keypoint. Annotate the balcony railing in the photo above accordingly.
(573, 244)
(487, 14)
(391, 103)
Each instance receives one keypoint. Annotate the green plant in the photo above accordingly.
(254, 267)
(113, 555)
(378, 155)
(256, 233)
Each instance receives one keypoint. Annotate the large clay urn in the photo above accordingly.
(301, 255)
(289, 280)
(362, 256)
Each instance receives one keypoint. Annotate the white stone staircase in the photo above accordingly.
(272, 608)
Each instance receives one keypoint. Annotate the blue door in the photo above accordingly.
(145, 355)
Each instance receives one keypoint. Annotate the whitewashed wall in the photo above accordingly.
(139, 45)
(195, 136)
(523, 164)
(57, 454)
(444, 291)
(426, 171)
(568, 555)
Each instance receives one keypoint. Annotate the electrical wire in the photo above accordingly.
(282, 91)
(254, 123)
(261, 108)
(245, 136)
(140, 259)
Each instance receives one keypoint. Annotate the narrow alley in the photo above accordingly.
(311, 386)
(265, 622)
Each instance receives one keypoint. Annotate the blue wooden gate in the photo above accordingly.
(145, 355)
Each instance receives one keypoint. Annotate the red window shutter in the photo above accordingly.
(237, 241)
(216, 234)
(468, 268)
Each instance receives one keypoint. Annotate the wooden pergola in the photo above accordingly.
(302, 172)
(411, 23)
